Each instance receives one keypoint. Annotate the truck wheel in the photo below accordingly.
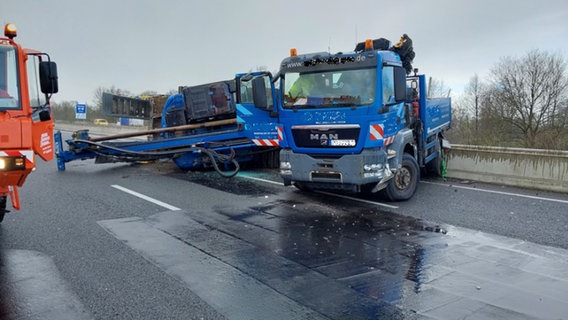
(271, 159)
(403, 185)
(2, 207)
(434, 167)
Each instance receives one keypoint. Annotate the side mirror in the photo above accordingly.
(259, 93)
(399, 84)
(48, 77)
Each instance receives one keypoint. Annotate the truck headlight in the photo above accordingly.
(285, 165)
(12, 163)
(285, 168)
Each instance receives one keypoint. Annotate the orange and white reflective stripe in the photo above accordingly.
(389, 140)
(280, 135)
(376, 132)
(266, 142)
(29, 154)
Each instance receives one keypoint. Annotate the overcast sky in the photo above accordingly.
(140, 45)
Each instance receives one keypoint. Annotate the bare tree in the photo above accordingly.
(495, 127)
(437, 89)
(473, 97)
(63, 111)
(530, 92)
(463, 130)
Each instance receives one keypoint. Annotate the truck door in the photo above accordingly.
(256, 108)
(42, 122)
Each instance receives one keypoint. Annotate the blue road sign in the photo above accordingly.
(80, 111)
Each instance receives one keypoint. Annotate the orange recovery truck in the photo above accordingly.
(28, 78)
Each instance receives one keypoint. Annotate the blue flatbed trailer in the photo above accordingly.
(248, 134)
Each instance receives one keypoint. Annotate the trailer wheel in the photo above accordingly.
(405, 181)
(2, 207)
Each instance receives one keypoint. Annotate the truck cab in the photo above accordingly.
(27, 81)
(347, 122)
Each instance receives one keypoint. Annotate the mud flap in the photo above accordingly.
(14, 197)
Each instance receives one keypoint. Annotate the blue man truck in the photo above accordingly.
(214, 125)
(358, 121)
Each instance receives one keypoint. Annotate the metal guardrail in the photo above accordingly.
(531, 168)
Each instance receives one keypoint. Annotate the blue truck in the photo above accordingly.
(214, 125)
(358, 121)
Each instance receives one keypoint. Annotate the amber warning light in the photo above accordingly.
(293, 52)
(369, 44)
(10, 30)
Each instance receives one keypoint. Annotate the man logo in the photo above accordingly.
(324, 136)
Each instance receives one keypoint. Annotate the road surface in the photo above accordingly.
(120, 241)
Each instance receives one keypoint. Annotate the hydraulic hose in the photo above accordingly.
(130, 155)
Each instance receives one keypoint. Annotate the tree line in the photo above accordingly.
(523, 102)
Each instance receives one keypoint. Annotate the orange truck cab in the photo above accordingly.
(28, 78)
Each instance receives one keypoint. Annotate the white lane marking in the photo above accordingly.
(327, 193)
(141, 196)
(359, 200)
(496, 192)
(262, 180)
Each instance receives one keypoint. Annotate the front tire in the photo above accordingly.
(405, 181)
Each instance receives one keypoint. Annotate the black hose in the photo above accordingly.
(212, 154)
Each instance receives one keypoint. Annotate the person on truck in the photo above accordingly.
(303, 86)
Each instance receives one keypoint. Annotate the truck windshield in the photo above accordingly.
(329, 88)
(9, 91)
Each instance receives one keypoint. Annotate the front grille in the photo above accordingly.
(326, 136)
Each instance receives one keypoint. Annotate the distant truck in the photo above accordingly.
(358, 121)
(27, 80)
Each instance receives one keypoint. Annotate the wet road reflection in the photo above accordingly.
(377, 254)
(400, 266)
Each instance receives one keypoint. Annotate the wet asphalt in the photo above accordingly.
(250, 248)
